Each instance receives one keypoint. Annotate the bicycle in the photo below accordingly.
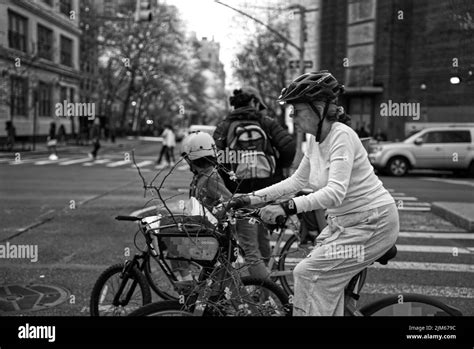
(219, 290)
(400, 305)
(139, 272)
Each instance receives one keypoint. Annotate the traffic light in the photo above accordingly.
(143, 11)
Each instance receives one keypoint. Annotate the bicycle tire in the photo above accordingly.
(168, 307)
(287, 280)
(153, 285)
(387, 302)
(116, 269)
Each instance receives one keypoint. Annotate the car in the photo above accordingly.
(204, 128)
(437, 148)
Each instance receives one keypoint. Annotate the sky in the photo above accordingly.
(210, 19)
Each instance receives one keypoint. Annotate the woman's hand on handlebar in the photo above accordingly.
(243, 200)
(269, 214)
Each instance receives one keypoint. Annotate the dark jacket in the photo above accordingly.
(281, 140)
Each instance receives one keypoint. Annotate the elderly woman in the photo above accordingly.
(362, 217)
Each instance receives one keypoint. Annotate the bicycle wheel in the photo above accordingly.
(409, 305)
(107, 286)
(162, 308)
(158, 280)
(263, 297)
(291, 254)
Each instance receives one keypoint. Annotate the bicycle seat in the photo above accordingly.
(390, 254)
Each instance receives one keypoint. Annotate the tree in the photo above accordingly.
(144, 62)
(262, 63)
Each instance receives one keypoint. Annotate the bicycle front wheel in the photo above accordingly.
(291, 254)
(409, 305)
(162, 308)
(258, 297)
(130, 290)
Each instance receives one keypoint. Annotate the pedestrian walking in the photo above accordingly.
(62, 135)
(95, 141)
(52, 142)
(167, 150)
(11, 135)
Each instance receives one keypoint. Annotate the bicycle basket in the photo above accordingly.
(189, 238)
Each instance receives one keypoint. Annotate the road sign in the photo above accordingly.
(296, 64)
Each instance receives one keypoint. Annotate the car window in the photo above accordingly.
(456, 137)
(433, 137)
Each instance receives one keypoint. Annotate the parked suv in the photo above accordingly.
(438, 148)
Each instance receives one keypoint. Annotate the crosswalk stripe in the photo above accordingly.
(416, 234)
(405, 198)
(21, 162)
(435, 249)
(143, 163)
(47, 162)
(451, 181)
(71, 162)
(449, 267)
(422, 248)
(414, 208)
(397, 194)
(96, 162)
(119, 163)
(416, 204)
(442, 267)
(428, 290)
(454, 236)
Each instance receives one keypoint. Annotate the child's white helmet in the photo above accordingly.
(197, 145)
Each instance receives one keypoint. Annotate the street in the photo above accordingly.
(67, 209)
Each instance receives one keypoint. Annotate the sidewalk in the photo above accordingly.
(460, 214)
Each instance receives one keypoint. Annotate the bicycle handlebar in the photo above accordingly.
(127, 218)
(279, 221)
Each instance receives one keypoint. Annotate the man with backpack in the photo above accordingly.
(257, 150)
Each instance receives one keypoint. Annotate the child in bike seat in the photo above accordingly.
(207, 186)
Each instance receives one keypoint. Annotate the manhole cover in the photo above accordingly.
(23, 298)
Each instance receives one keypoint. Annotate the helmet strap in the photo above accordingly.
(321, 118)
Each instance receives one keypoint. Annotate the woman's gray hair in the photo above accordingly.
(340, 116)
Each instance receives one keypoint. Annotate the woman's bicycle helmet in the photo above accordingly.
(311, 87)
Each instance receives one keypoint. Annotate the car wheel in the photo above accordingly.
(398, 166)
(470, 170)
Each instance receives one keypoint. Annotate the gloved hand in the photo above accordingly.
(238, 202)
(269, 213)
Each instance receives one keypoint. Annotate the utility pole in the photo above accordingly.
(301, 11)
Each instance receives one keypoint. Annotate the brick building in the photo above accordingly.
(402, 51)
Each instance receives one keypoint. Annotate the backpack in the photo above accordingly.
(249, 150)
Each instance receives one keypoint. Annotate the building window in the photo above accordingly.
(65, 7)
(19, 96)
(63, 94)
(17, 29)
(66, 51)
(45, 42)
(45, 103)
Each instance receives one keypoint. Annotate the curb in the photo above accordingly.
(460, 214)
